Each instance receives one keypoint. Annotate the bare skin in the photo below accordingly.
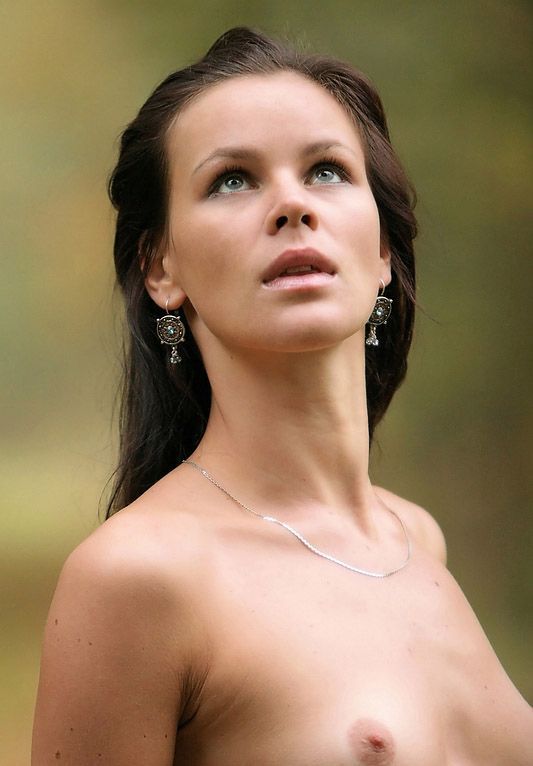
(216, 638)
(305, 663)
(263, 653)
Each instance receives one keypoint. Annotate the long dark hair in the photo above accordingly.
(164, 408)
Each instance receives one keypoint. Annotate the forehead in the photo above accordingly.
(283, 110)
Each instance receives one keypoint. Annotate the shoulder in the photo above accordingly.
(422, 525)
(124, 647)
(122, 577)
(139, 549)
(140, 586)
(145, 569)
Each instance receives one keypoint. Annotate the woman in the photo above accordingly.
(262, 215)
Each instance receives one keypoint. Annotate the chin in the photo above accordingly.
(309, 336)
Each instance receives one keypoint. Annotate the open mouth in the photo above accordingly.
(300, 278)
(299, 270)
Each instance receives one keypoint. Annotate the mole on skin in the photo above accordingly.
(371, 742)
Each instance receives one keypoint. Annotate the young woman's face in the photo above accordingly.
(262, 168)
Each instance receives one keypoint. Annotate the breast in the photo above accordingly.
(371, 742)
(313, 668)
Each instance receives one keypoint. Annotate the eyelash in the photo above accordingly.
(230, 170)
(333, 163)
(227, 172)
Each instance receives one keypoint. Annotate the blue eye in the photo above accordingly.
(328, 174)
(230, 182)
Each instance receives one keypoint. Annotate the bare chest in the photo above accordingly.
(316, 666)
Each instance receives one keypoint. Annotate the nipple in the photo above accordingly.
(371, 742)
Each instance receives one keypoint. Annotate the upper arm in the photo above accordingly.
(115, 653)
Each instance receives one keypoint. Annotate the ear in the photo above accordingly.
(385, 262)
(161, 280)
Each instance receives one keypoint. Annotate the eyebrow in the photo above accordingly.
(248, 153)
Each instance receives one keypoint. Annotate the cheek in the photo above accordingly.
(358, 233)
(214, 241)
(205, 257)
(365, 224)
(199, 250)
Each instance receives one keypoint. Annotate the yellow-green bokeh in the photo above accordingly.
(454, 80)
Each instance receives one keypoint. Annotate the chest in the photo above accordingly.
(316, 666)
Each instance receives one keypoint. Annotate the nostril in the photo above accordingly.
(283, 219)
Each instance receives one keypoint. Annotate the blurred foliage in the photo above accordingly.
(455, 82)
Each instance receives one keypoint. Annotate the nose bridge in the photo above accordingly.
(292, 204)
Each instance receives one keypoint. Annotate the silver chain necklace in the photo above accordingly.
(301, 538)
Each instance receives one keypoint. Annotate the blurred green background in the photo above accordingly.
(454, 79)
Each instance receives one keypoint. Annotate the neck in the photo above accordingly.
(290, 431)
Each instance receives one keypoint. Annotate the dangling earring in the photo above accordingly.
(380, 314)
(171, 331)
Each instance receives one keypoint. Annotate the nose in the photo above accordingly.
(291, 211)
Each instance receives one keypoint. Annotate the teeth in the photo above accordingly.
(298, 270)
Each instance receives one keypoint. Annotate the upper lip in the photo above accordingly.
(306, 256)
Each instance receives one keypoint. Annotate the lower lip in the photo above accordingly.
(300, 281)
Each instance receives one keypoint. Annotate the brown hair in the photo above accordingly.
(164, 408)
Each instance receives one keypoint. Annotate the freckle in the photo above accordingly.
(166, 735)
(55, 622)
(71, 729)
(79, 639)
(90, 643)
(144, 735)
(58, 755)
(437, 583)
(485, 686)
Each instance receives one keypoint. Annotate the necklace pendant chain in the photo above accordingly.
(301, 538)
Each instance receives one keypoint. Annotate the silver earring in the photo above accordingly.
(380, 314)
(171, 330)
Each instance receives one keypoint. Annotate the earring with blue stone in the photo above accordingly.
(380, 314)
(171, 330)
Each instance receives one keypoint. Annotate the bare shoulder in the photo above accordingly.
(123, 645)
(136, 552)
(423, 526)
(142, 533)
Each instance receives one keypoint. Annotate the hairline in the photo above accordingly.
(201, 89)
